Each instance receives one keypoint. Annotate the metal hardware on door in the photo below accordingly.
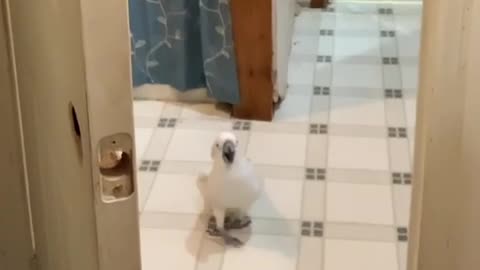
(115, 165)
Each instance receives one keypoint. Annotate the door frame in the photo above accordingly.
(443, 227)
(16, 246)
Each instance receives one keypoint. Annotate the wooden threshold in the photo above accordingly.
(253, 41)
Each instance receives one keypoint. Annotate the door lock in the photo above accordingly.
(115, 165)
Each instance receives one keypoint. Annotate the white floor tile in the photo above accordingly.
(389, 47)
(365, 76)
(317, 151)
(411, 111)
(173, 221)
(345, 255)
(311, 254)
(323, 74)
(263, 252)
(413, 9)
(409, 76)
(313, 200)
(277, 149)
(355, 8)
(402, 201)
(144, 185)
(175, 193)
(301, 72)
(328, 21)
(346, 47)
(210, 256)
(197, 111)
(295, 108)
(142, 139)
(391, 77)
(358, 153)
(357, 111)
(399, 155)
(302, 44)
(308, 22)
(350, 22)
(402, 255)
(158, 144)
(325, 46)
(320, 110)
(360, 232)
(357, 203)
(191, 145)
(305, 90)
(169, 249)
(408, 24)
(409, 44)
(281, 199)
(148, 108)
(387, 22)
(172, 110)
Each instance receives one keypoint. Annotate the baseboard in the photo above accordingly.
(167, 93)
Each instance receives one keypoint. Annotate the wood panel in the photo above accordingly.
(319, 3)
(253, 39)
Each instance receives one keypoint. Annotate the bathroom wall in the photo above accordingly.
(283, 19)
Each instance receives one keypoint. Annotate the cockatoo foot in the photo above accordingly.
(231, 223)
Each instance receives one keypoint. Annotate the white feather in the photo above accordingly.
(232, 186)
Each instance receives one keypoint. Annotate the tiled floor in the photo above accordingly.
(336, 160)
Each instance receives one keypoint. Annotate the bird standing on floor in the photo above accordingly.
(232, 188)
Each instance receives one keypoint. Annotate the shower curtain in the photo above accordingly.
(187, 44)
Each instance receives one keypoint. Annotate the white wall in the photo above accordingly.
(283, 19)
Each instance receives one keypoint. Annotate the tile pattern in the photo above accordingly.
(336, 159)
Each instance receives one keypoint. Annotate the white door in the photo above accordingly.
(445, 223)
(72, 62)
(16, 249)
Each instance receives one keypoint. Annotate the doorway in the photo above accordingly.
(337, 159)
(337, 195)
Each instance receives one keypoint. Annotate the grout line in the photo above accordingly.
(147, 196)
(410, 162)
(140, 158)
(325, 189)
(397, 48)
(308, 139)
(389, 150)
(199, 251)
(270, 219)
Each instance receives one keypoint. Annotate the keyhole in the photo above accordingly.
(76, 130)
(76, 125)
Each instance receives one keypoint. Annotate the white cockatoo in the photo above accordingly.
(232, 188)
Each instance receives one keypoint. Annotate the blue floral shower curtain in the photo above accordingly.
(184, 43)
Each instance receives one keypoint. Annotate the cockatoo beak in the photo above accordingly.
(228, 152)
